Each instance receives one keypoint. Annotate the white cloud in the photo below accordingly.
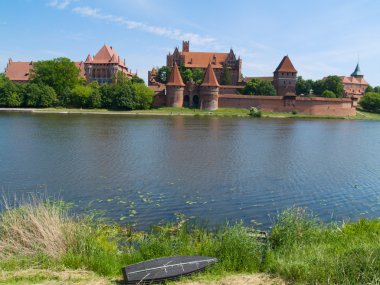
(134, 25)
(60, 4)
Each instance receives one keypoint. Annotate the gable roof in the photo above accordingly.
(210, 78)
(353, 80)
(202, 59)
(285, 65)
(107, 54)
(175, 77)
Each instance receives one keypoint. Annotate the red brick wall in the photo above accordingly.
(308, 106)
(159, 101)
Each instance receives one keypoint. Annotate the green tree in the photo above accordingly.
(38, 95)
(61, 74)
(371, 102)
(226, 76)
(79, 96)
(136, 79)
(334, 83)
(187, 75)
(9, 94)
(369, 89)
(319, 87)
(143, 96)
(328, 94)
(198, 75)
(259, 87)
(95, 99)
(303, 86)
(376, 89)
(163, 74)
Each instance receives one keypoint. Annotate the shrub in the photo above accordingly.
(371, 102)
(255, 112)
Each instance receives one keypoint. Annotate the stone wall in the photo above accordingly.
(303, 105)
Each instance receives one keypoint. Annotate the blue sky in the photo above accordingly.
(321, 37)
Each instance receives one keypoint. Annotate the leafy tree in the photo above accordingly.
(95, 99)
(259, 87)
(369, 89)
(9, 94)
(328, 94)
(226, 76)
(38, 95)
(303, 86)
(198, 75)
(376, 89)
(187, 75)
(319, 87)
(334, 84)
(80, 95)
(61, 74)
(163, 74)
(136, 79)
(371, 102)
(143, 96)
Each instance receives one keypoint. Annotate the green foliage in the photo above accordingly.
(334, 83)
(163, 74)
(143, 96)
(255, 112)
(319, 87)
(9, 93)
(303, 86)
(226, 76)
(61, 74)
(80, 95)
(95, 99)
(328, 94)
(38, 95)
(259, 87)
(371, 102)
(198, 75)
(136, 79)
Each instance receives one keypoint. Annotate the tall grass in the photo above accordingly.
(302, 249)
(305, 250)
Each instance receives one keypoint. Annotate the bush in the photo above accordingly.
(371, 102)
(255, 112)
(328, 94)
(38, 95)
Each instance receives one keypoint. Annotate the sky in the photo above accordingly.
(324, 37)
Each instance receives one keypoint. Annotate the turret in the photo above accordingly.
(284, 78)
(209, 90)
(357, 72)
(175, 88)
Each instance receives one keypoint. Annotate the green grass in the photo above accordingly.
(301, 249)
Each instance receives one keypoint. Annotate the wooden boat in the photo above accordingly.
(166, 268)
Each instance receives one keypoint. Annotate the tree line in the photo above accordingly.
(57, 83)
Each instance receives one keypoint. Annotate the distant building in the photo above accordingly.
(354, 85)
(218, 61)
(20, 71)
(285, 77)
(102, 67)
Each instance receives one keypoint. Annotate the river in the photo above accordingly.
(143, 170)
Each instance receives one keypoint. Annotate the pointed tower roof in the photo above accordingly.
(89, 58)
(357, 71)
(175, 77)
(210, 78)
(285, 65)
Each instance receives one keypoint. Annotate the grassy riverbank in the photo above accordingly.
(166, 111)
(40, 242)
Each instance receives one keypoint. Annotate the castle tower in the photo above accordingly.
(175, 88)
(209, 90)
(357, 72)
(284, 78)
(185, 46)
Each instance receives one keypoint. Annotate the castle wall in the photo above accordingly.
(307, 106)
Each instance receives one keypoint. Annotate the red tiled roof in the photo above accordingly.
(175, 77)
(106, 54)
(285, 65)
(18, 70)
(210, 78)
(21, 70)
(353, 80)
(202, 59)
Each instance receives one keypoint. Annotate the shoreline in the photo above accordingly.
(243, 113)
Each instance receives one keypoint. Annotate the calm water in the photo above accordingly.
(145, 169)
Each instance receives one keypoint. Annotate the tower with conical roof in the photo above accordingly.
(175, 88)
(284, 78)
(209, 91)
(357, 72)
